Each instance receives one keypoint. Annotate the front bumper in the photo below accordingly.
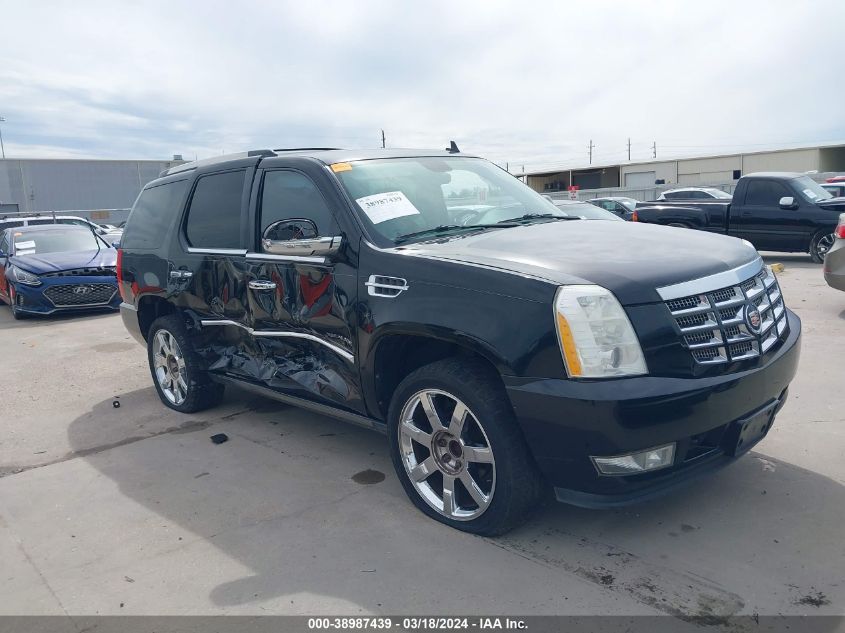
(567, 421)
(55, 295)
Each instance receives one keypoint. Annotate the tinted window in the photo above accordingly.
(288, 195)
(10, 224)
(672, 196)
(765, 193)
(4, 244)
(153, 215)
(214, 219)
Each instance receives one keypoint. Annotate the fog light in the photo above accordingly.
(633, 463)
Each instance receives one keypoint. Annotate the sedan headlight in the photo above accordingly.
(596, 337)
(23, 277)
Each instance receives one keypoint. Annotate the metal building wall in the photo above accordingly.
(71, 184)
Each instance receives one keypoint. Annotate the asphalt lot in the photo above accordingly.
(132, 510)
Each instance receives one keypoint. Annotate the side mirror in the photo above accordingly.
(116, 244)
(298, 237)
(787, 202)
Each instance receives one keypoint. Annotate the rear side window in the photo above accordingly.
(214, 218)
(153, 215)
(290, 195)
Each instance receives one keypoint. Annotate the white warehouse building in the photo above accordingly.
(649, 177)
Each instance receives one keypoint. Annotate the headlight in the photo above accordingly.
(23, 277)
(596, 337)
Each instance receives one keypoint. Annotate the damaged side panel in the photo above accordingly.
(284, 326)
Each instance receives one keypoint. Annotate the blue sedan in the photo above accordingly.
(56, 268)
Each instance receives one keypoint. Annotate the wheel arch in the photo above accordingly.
(402, 348)
(150, 308)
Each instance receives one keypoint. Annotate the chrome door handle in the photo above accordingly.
(181, 274)
(261, 284)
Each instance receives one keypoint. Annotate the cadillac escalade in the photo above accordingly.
(506, 348)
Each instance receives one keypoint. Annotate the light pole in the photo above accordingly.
(2, 149)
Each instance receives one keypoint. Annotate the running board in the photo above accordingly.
(316, 407)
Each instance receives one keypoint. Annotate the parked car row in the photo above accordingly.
(108, 232)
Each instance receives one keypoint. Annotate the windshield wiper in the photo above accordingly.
(442, 229)
(540, 216)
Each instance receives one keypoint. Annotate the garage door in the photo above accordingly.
(640, 179)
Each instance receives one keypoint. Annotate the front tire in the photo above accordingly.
(17, 313)
(820, 245)
(178, 376)
(458, 451)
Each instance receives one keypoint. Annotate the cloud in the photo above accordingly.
(529, 84)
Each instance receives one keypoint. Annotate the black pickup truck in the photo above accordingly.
(775, 211)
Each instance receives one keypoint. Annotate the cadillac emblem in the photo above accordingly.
(752, 318)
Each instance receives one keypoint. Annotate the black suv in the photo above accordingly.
(505, 347)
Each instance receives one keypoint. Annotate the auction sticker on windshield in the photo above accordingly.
(25, 248)
(390, 205)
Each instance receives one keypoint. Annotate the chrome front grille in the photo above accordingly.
(77, 295)
(718, 326)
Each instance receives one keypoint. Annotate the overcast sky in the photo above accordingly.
(527, 83)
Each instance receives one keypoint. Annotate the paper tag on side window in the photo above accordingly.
(382, 207)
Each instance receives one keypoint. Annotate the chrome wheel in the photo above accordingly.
(447, 455)
(824, 244)
(169, 367)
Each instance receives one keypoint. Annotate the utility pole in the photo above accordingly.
(382, 139)
(2, 148)
(629, 149)
(654, 150)
(590, 150)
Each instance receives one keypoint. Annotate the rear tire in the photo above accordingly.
(472, 471)
(178, 376)
(820, 245)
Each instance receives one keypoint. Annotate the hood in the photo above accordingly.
(57, 262)
(832, 203)
(629, 259)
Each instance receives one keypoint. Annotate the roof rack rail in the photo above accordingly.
(30, 214)
(177, 169)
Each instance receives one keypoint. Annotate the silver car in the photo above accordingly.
(834, 261)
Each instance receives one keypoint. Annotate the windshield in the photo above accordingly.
(587, 211)
(628, 203)
(811, 190)
(718, 193)
(39, 242)
(403, 196)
